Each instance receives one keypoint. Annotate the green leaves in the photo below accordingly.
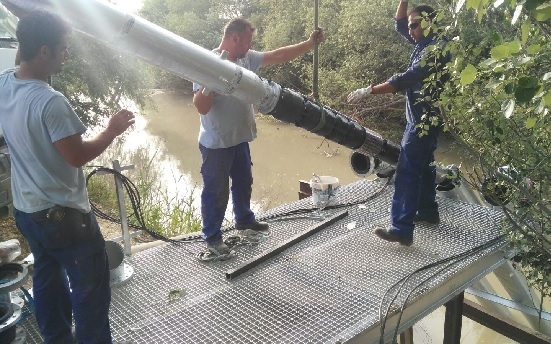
(468, 75)
(543, 12)
(505, 50)
(498, 103)
(479, 6)
(526, 88)
(531, 122)
(508, 107)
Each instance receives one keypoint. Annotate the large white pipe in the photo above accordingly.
(160, 47)
(141, 38)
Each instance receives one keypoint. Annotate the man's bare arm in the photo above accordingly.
(78, 151)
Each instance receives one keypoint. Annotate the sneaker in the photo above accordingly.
(255, 226)
(219, 248)
(428, 219)
(391, 237)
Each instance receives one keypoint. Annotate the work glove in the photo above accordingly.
(359, 94)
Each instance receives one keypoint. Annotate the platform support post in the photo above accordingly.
(406, 337)
(453, 321)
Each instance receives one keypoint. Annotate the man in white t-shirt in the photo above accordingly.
(50, 200)
(227, 127)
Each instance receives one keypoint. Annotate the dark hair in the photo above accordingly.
(428, 11)
(37, 29)
(238, 25)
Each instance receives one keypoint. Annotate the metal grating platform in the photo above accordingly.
(338, 285)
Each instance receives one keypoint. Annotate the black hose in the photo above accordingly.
(135, 201)
(134, 197)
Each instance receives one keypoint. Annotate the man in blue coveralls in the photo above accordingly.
(414, 197)
(50, 200)
(227, 127)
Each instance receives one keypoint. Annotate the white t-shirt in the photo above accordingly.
(33, 116)
(230, 121)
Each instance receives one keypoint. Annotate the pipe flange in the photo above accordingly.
(20, 335)
(12, 320)
(17, 274)
(123, 275)
(119, 271)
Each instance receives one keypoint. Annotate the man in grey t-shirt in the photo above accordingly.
(227, 127)
(51, 206)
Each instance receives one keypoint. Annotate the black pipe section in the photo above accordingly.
(298, 109)
(255, 261)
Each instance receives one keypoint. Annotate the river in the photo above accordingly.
(282, 155)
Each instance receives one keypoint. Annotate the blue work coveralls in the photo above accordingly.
(415, 189)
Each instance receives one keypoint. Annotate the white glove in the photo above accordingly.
(359, 94)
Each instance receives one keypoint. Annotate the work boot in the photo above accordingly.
(428, 219)
(386, 172)
(391, 237)
(255, 226)
(219, 247)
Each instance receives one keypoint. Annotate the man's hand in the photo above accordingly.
(359, 94)
(120, 122)
(77, 152)
(317, 36)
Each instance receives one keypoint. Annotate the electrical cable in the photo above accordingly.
(135, 200)
(134, 197)
(457, 258)
(304, 211)
(402, 308)
(402, 282)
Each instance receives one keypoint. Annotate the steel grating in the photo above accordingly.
(332, 287)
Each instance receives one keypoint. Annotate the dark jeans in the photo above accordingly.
(71, 276)
(219, 165)
(414, 181)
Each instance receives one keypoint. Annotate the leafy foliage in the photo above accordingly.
(96, 79)
(498, 106)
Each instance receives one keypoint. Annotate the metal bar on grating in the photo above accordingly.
(232, 273)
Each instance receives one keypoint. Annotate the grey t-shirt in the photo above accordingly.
(33, 116)
(230, 121)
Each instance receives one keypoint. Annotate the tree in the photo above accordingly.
(196, 21)
(96, 79)
(498, 106)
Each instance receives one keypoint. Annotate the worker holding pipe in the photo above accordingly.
(227, 127)
(414, 198)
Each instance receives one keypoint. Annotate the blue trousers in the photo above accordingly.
(414, 181)
(71, 276)
(219, 165)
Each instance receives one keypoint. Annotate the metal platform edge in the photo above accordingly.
(421, 307)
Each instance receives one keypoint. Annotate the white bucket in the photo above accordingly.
(324, 190)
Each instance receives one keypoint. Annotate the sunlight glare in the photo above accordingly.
(130, 6)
